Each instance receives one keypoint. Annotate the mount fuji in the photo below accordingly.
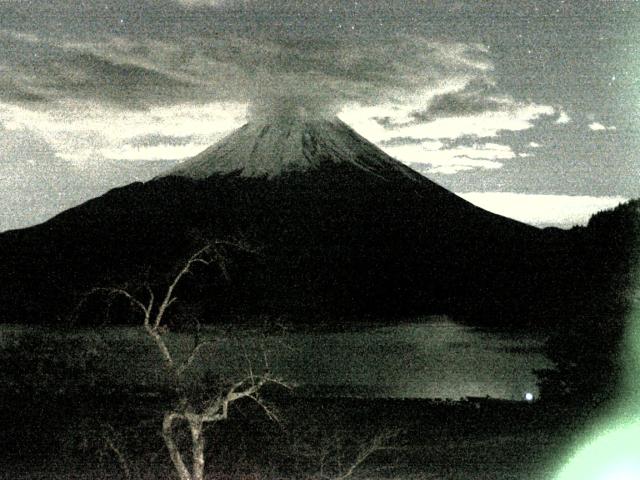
(341, 229)
(290, 144)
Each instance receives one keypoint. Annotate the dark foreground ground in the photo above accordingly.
(76, 436)
(72, 408)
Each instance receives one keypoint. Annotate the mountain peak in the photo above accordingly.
(289, 144)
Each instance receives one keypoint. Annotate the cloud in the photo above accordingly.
(563, 118)
(328, 74)
(455, 104)
(157, 152)
(261, 67)
(400, 141)
(154, 139)
(435, 157)
(543, 210)
(87, 132)
(49, 70)
(15, 93)
(35, 183)
(21, 143)
(477, 96)
(86, 74)
(90, 96)
(597, 127)
(461, 107)
(459, 164)
(462, 111)
(517, 116)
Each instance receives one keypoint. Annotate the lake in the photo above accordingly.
(426, 358)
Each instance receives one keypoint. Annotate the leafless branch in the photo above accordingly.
(112, 444)
(245, 388)
(332, 460)
(376, 444)
(192, 356)
(247, 361)
(121, 291)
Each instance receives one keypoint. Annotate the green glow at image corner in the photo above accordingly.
(614, 452)
(614, 455)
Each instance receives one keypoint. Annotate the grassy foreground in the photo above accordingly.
(71, 438)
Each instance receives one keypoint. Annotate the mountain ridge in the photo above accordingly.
(342, 229)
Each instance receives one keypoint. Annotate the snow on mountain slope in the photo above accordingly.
(290, 144)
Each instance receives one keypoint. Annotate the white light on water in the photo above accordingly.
(528, 396)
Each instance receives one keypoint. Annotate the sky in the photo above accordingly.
(528, 109)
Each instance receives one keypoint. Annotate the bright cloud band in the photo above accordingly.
(543, 210)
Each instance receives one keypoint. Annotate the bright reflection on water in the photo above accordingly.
(435, 359)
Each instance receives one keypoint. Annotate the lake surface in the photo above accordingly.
(439, 359)
(428, 358)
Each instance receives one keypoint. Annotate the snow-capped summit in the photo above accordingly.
(289, 144)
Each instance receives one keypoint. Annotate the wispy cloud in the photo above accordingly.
(458, 113)
(261, 68)
(434, 157)
(488, 124)
(89, 97)
(598, 127)
(461, 107)
(79, 131)
(518, 117)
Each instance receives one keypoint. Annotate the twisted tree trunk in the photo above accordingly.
(174, 452)
(197, 446)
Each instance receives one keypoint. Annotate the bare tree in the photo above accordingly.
(190, 411)
(331, 458)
